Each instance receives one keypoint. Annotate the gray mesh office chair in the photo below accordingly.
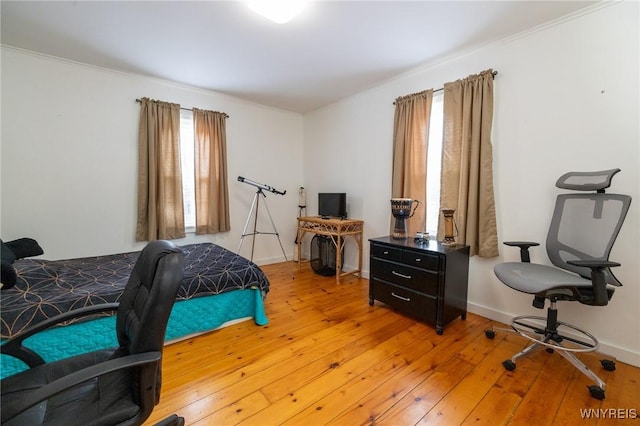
(583, 229)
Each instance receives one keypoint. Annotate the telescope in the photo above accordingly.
(260, 185)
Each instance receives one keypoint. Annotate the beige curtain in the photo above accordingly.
(410, 138)
(212, 195)
(160, 208)
(467, 162)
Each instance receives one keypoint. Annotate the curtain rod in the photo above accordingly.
(191, 109)
(494, 73)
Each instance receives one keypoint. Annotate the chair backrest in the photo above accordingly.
(148, 298)
(142, 319)
(585, 226)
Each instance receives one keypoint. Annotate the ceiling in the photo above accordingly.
(334, 49)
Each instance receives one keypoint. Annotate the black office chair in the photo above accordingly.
(583, 230)
(110, 386)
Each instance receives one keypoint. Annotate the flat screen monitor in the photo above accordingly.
(332, 204)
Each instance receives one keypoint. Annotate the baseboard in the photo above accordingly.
(620, 354)
(270, 260)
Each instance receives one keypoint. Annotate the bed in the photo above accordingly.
(219, 288)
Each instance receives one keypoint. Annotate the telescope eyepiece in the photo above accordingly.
(260, 185)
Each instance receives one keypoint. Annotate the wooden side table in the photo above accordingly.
(338, 230)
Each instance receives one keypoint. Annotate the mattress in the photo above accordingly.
(46, 288)
(218, 287)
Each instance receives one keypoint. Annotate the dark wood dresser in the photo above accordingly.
(427, 281)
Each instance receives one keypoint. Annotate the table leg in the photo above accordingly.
(359, 239)
(339, 245)
(299, 243)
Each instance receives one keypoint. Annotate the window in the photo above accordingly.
(434, 161)
(187, 162)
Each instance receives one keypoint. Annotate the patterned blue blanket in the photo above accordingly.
(46, 288)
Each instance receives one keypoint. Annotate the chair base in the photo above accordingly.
(172, 420)
(550, 333)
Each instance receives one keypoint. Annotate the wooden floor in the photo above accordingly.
(328, 358)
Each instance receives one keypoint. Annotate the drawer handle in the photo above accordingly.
(406, 299)
(398, 274)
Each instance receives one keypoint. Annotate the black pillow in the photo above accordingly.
(7, 253)
(8, 275)
(12, 251)
(24, 247)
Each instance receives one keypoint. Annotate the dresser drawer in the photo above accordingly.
(427, 281)
(419, 280)
(409, 302)
(386, 252)
(420, 260)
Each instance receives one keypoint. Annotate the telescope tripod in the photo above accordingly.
(254, 212)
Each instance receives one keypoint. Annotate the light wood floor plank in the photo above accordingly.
(328, 358)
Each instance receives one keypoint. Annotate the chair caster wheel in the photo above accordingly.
(596, 392)
(608, 365)
(490, 334)
(509, 365)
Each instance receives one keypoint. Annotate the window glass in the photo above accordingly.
(187, 161)
(434, 161)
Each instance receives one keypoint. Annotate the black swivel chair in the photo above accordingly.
(583, 229)
(116, 386)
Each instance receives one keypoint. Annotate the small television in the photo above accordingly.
(332, 204)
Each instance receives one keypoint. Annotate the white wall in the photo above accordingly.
(69, 158)
(566, 98)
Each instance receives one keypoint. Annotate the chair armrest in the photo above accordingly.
(593, 264)
(45, 392)
(14, 347)
(600, 296)
(524, 248)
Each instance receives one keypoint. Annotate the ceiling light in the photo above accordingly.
(279, 11)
